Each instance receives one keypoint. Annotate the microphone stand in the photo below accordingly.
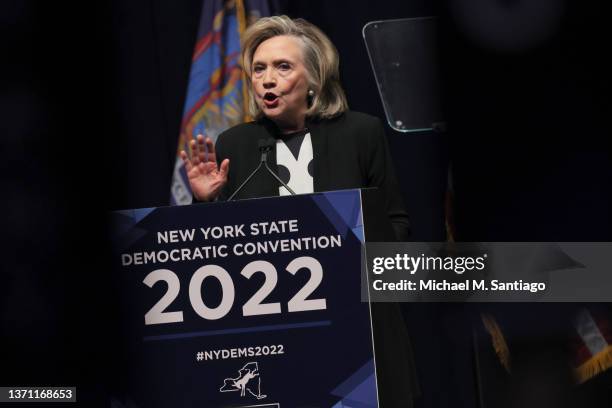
(264, 147)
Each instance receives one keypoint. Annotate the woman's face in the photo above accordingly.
(280, 82)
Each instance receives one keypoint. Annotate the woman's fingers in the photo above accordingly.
(186, 160)
(195, 160)
(224, 168)
(201, 148)
(210, 148)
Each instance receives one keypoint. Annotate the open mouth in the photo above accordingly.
(270, 98)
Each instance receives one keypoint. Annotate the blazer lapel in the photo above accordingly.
(320, 165)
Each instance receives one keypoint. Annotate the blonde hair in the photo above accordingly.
(321, 61)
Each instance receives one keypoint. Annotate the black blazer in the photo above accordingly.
(349, 151)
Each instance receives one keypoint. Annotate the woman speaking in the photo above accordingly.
(295, 98)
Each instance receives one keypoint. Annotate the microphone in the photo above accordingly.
(265, 146)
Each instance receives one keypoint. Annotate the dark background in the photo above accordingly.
(90, 106)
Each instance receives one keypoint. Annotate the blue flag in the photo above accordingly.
(216, 92)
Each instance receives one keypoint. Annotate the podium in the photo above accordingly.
(253, 303)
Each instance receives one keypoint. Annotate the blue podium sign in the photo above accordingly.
(255, 303)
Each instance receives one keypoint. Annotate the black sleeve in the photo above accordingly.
(381, 174)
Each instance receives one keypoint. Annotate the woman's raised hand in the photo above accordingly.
(205, 177)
